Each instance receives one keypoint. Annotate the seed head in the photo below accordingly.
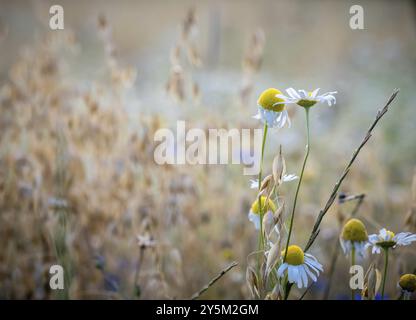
(295, 255)
(268, 100)
(354, 230)
(408, 282)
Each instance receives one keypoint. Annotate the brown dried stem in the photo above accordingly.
(332, 197)
(219, 276)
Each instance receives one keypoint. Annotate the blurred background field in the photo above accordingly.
(79, 107)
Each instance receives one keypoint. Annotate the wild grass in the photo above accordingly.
(79, 186)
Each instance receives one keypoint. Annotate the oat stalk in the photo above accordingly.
(292, 217)
(332, 197)
(213, 280)
(261, 240)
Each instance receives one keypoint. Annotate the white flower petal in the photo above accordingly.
(298, 277)
(304, 276)
(312, 263)
(255, 219)
(290, 177)
(290, 273)
(311, 274)
(281, 269)
(293, 93)
(304, 94)
(315, 92)
(273, 119)
(383, 234)
(254, 183)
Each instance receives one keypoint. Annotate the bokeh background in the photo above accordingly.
(79, 108)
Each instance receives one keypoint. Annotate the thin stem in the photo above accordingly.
(306, 291)
(136, 287)
(386, 264)
(352, 264)
(288, 285)
(299, 182)
(260, 240)
(261, 244)
(332, 197)
(213, 280)
(335, 252)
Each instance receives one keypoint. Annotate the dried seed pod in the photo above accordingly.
(252, 282)
(277, 216)
(176, 83)
(272, 257)
(279, 167)
(372, 282)
(265, 184)
(268, 223)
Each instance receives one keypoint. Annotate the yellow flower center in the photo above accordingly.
(269, 207)
(354, 230)
(390, 234)
(408, 282)
(295, 255)
(268, 100)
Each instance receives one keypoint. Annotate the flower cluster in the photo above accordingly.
(272, 104)
(285, 264)
(354, 235)
(355, 241)
(292, 265)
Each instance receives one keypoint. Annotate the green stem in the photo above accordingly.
(261, 241)
(300, 181)
(386, 264)
(261, 244)
(352, 264)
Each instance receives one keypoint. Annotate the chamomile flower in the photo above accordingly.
(307, 99)
(300, 266)
(271, 109)
(254, 214)
(386, 239)
(354, 236)
(254, 183)
(407, 283)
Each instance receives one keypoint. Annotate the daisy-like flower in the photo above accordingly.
(300, 266)
(271, 109)
(254, 183)
(354, 236)
(307, 99)
(145, 241)
(254, 214)
(387, 239)
(407, 283)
